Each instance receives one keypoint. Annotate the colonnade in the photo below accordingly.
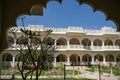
(84, 58)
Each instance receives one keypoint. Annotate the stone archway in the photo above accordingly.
(86, 58)
(86, 42)
(7, 59)
(61, 41)
(98, 57)
(61, 58)
(117, 42)
(108, 42)
(109, 58)
(97, 42)
(74, 41)
(74, 59)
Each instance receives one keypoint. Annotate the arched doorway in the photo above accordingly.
(109, 58)
(61, 58)
(98, 57)
(117, 42)
(86, 58)
(7, 58)
(74, 59)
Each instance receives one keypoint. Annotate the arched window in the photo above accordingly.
(50, 41)
(61, 41)
(108, 42)
(97, 42)
(86, 58)
(117, 42)
(109, 58)
(61, 58)
(10, 40)
(7, 57)
(86, 42)
(74, 59)
(74, 41)
(98, 57)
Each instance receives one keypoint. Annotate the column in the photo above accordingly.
(0, 64)
(68, 60)
(91, 42)
(103, 44)
(80, 42)
(13, 61)
(15, 42)
(55, 43)
(93, 60)
(81, 60)
(104, 61)
(68, 43)
(113, 42)
(54, 61)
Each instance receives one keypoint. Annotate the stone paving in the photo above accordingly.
(91, 75)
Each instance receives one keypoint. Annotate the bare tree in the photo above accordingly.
(35, 50)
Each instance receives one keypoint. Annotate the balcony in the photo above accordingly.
(88, 48)
(76, 47)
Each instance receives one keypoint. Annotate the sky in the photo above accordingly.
(69, 13)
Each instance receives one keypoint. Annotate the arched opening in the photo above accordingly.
(86, 42)
(108, 42)
(50, 41)
(22, 40)
(98, 57)
(61, 41)
(6, 58)
(97, 42)
(74, 41)
(61, 58)
(117, 42)
(74, 59)
(109, 58)
(86, 58)
(10, 40)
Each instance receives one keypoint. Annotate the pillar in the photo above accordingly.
(104, 61)
(68, 61)
(54, 61)
(81, 59)
(103, 44)
(93, 59)
(13, 61)
(80, 42)
(68, 43)
(92, 43)
(15, 42)
(55, 43)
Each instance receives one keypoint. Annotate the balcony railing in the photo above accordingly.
(76, 47)
(75, 29)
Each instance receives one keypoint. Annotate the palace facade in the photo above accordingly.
(76, 45)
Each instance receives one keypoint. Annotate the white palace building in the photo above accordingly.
(77, 45)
